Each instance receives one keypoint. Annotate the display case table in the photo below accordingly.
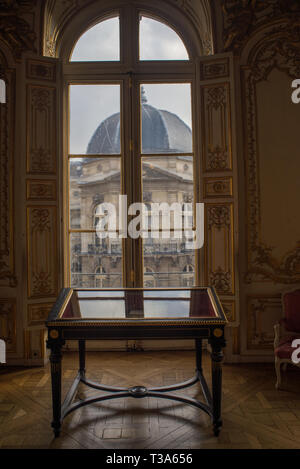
(140, 313)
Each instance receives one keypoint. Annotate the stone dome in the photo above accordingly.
(162, 132)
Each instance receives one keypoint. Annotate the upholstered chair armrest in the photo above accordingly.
(277, 331)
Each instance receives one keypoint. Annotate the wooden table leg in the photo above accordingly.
(216, 371)
(55, 361)
(198, 345)
(81, 345)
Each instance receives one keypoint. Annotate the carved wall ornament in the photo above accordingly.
(41, 129)
(8, 323)
(219, 257)
(242, 18)
(219, 216)
(280, 49)
(262, 313)
(218, 187)
(7, 270)
(221, 280)
(217, 127)
(38, 313)
(41, 189)
(40, 70)
(14, 29)
(42, 249)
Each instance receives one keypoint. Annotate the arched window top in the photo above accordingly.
(158, 41)
(99, 43)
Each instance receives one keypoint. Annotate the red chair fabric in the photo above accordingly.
(285, 349)
(291, 303)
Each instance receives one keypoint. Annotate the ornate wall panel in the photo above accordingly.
(38, 313)
(219, 247)
(8, 330)
(214, 69)
(17, 25)
(280, 50)
(34, 345)
(41, 70)
(216, 134)
(241, 19)
(41, 129)
(262, 313)
(7, 113)
(229, 309)
(218, 187)
(42, 251)
(38, 189)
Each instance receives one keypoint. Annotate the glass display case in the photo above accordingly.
(136, 313)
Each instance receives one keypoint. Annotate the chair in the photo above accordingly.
(287, 330)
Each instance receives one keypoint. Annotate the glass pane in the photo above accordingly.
(166, 118)
(168, 262)
(168, 198)
(168, 179)
(131, 304)
(159, 42)
(95, 262)
(94, 119)
(93, 183)
(99, 43)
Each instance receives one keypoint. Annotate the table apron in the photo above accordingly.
(134, 333)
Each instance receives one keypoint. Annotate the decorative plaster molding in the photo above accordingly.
(280, 49)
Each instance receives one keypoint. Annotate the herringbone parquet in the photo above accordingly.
(255, 415)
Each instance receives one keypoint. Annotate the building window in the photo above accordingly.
(130, 120)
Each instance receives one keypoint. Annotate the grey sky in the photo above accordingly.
(91, 104)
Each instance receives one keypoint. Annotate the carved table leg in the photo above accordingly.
(216, 363)
(55, 361)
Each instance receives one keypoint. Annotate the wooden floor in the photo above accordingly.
(255, 415)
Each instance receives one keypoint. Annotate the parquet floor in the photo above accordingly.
(255, 415)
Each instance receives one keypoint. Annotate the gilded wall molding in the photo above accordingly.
(219, 264)
(15, 31)
(217, 149)
(41, 189)
(280, 49)
(41, 129)
(38, 313)
(41, 251)
(263, 312)
(242, 19)
(8, 331)
(218, 187)
(7, 113)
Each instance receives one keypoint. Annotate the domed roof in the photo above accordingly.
(162, 132)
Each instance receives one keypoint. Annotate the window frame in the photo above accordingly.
(129, 72)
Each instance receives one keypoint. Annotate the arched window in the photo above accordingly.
(131, 84)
